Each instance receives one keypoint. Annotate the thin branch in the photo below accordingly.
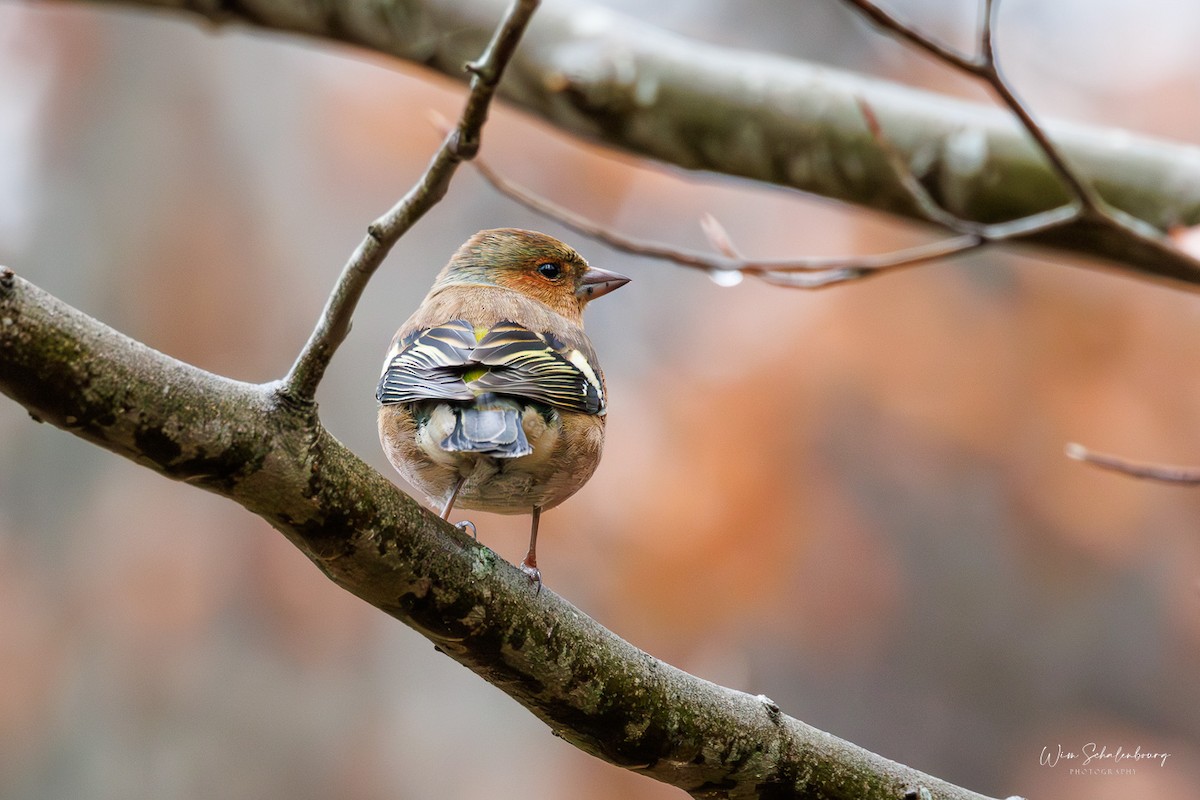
(721, 241)
(984, 65)
(1086, 204)
(460, 144)
(1090, 202)
(936, 213)
(1185, 476)
(987, 31)
(939, 50)
(564, 75)
(988, 233)
(861, 267)
(718, 237)
(788, 273)
(821, 273)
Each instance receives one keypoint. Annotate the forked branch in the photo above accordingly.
(797, 273)
(1084, 205)
(459, 144)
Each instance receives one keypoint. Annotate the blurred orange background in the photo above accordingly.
(854, 501)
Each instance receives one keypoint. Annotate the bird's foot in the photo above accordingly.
(533, 573)
(466, 526)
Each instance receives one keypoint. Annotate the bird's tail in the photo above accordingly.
(492, 427)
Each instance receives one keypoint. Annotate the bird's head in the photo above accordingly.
(534, 264)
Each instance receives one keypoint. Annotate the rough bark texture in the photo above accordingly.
(591, 687)
(598, 74)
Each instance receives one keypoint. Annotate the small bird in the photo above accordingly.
(491, 396)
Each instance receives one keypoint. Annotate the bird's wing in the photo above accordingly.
(429, 365)
(447, 362)
(539, 367)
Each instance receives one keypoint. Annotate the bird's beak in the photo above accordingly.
(597, 282)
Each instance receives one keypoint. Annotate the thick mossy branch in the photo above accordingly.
(595, 73)
(590, 686)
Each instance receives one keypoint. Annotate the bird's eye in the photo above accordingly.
(550, 270)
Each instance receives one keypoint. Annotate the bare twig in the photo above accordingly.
(565, 78)
(939, 50)
(984, 65)
(808, 273)
(934, 212)
(859, 267)
(1185, 476)
(721, 241)
(460, 144)
(718, 237)
(1085, 205)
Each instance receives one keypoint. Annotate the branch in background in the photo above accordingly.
(810, 273)
(1185, 476)
(984, 66)
(1084, 206)
(934, 212)
(704, 107)
(459, 144)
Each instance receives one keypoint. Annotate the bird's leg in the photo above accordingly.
(529, 565)
(466, 524)
(453, 496)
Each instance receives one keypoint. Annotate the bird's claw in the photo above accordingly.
(466, 526)
(533, 573)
